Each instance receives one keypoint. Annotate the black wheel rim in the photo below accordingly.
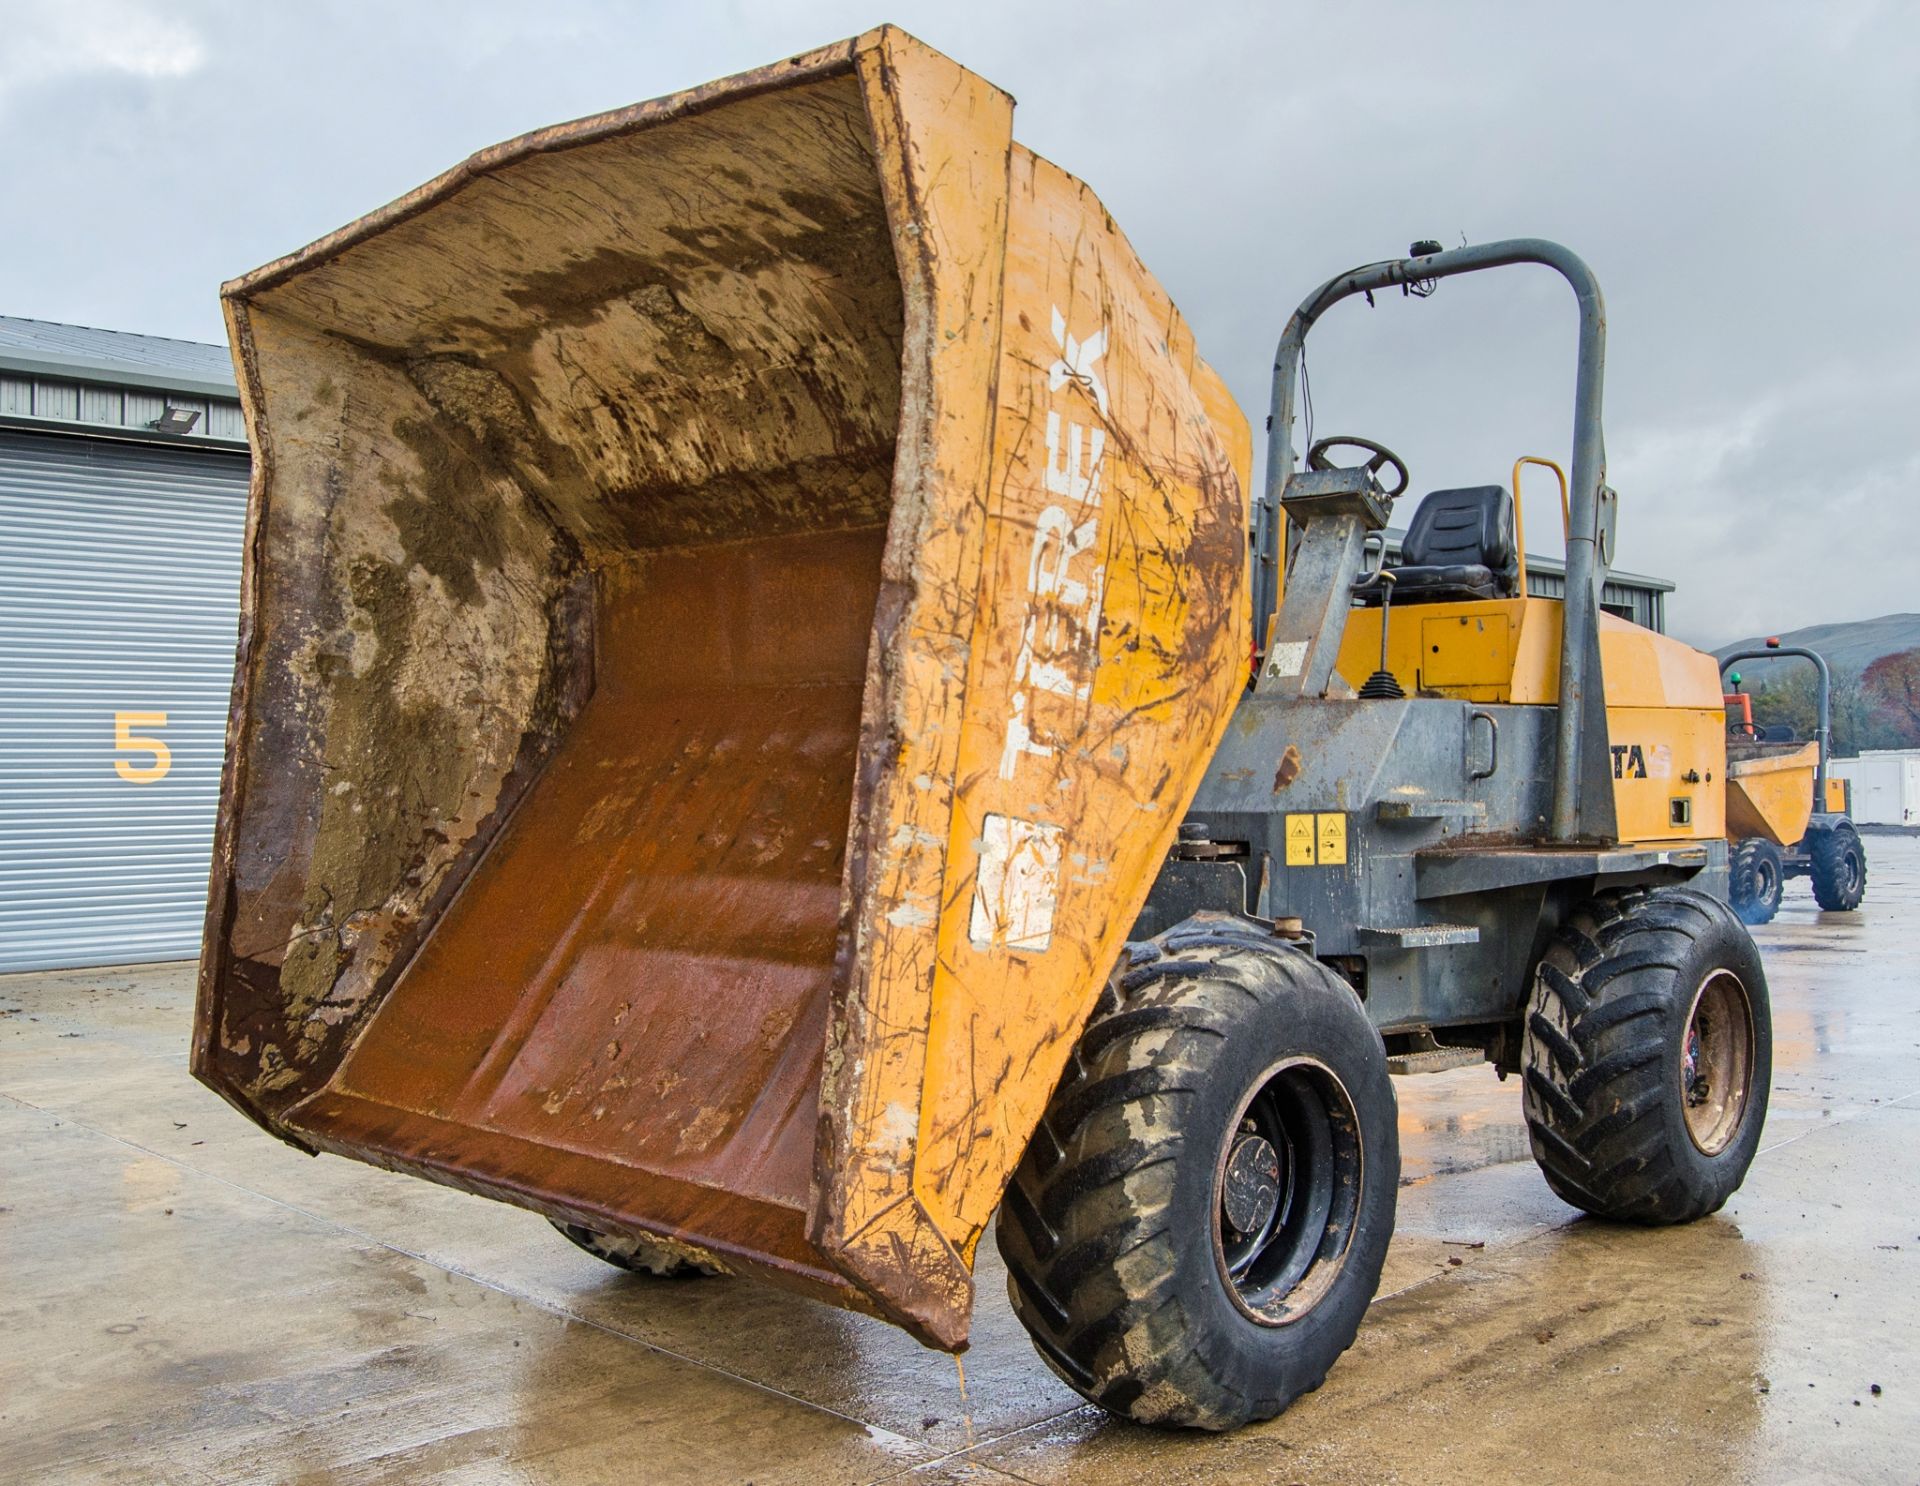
(1287, 1191)
(1766, 881)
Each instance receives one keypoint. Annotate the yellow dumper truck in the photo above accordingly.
(744, 743)
(1787, 816)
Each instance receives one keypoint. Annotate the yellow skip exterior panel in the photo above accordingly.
(1772, 796)
(1104, 674)
(1077, 617)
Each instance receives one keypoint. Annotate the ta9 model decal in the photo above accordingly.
(1638, 761)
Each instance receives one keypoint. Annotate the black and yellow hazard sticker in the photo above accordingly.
(1317, 840)
(1333, 839)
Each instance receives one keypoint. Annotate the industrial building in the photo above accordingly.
(123, 494)
(1631, 596)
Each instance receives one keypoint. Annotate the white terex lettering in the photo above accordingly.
(1065, 478)
(1070, 603)
(1059, 634)
(1076, 361)
(1019, 738)
(1016, 886)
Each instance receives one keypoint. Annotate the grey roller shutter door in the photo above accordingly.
(119, 603)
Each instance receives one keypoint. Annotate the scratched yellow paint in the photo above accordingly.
(1107, 662)
(1071, 649)
(942, 137)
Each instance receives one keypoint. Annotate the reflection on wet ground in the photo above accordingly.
(186, 1299)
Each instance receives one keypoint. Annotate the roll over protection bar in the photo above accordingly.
(1823, 701)
(1582, 789)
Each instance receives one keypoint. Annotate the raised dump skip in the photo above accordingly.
(740, 592)
(1770, 790)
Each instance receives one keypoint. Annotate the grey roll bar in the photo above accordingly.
(1823, 728)
(1579, 813)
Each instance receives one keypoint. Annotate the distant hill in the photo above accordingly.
(1849, 648)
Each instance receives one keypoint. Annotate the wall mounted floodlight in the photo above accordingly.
(176, 420)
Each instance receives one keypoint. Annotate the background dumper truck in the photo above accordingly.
(743, 743)
(1787, 815)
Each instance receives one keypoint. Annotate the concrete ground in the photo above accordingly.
(183, 1298)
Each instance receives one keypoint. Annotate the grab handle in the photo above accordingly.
(1493, 743)
(1520, 509)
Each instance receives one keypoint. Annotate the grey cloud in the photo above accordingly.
(1740, 176)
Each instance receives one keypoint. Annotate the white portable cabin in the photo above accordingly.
(1885, 785)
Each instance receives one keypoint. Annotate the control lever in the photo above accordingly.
(1383, 685)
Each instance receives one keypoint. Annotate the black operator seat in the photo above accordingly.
(1460, 546)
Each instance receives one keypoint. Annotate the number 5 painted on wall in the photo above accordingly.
(125, 740)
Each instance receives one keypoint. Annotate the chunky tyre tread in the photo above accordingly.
(1834, 888)
(1088, 1228)
(1599, 1037)
(1754, 892)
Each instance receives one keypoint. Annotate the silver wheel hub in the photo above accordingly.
(1250, 1193)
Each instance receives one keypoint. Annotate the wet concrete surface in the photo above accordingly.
(184, 1298)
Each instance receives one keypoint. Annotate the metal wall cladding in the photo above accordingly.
(1643, 605)
(59, 401)
(119, 595)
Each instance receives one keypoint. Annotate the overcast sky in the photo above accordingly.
(1743, 177)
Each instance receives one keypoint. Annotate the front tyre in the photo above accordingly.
(1838, 867)
(1198, 1226)
(1756, 873)
(1648, 1056)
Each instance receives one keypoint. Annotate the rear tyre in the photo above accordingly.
(1648, 1056)
(638, 1255)
(1197, 1228)
(1838, 866)
(1756, 874)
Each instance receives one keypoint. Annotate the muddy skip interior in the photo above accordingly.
(594, 500)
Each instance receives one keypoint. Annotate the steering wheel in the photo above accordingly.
(1382, 456)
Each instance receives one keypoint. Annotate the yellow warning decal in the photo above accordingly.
(1299, 840)
(1317, 840)
(1333, 840)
